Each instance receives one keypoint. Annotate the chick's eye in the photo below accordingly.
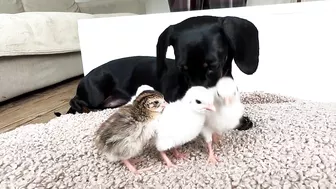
(198, 101)
(156, 102)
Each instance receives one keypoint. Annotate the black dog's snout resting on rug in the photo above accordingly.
(204, 48)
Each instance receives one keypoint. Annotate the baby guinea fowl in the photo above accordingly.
(125, 133)
(229, 111)
(140, 90)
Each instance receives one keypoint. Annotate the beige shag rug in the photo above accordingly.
(291, 146)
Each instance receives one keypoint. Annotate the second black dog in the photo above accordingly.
(114, 83)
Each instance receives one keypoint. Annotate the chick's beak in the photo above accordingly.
(164, 104)
(210, 107)
(227, 100)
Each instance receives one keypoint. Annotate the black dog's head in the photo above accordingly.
(205, 46)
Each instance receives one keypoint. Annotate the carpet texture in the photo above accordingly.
(291, 146)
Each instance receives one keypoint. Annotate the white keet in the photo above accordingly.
(229, 111)
(183, 120)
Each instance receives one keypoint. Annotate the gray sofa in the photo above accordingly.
(39, 43)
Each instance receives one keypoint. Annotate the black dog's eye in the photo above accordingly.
(198, 101)
(205, 65)
(185, 67)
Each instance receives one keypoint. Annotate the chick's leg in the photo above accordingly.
(179, 155)
(212, 158)
(166, 159)
(132, 168)
(216, 138)
(208, 134)
(129, 165)
(136, 160)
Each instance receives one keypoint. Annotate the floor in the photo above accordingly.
(38, 106)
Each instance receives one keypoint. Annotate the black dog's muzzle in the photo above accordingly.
(208, 80)
(212, 77)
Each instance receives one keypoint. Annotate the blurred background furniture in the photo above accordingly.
(39, 43)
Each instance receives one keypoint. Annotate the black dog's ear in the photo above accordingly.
(244, 40)
(161, 50)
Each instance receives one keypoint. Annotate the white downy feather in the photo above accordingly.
(227, 116)
(183, 120)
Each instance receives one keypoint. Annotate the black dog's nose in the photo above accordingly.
(211, 82)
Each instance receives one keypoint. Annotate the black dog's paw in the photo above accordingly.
(57, 114)
(245, 124)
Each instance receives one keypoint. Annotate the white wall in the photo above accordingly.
(297, 45)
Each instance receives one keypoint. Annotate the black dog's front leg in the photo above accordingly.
(117, 98)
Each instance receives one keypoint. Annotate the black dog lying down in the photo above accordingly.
(114, 83)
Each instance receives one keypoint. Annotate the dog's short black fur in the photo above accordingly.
(204, 47)
(114, 83)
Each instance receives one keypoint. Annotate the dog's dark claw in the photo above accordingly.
(245, 124)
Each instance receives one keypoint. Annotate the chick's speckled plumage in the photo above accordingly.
(140, 90)
(125, 133)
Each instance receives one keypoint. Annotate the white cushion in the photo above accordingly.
(33, 33)
(50, 6)
(36, 33)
